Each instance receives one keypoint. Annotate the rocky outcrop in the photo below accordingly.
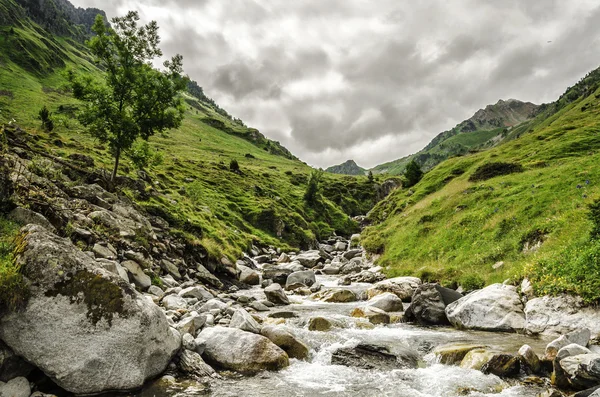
(560, 315)
(83, 326)
(429, 304)
(582, 371)
(495, 308)
(241, 351)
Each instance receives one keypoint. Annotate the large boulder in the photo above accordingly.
(402, 287)
(241, 351)
(306, 277)
(11, 365)
(241, 319)
(374, 357)
(495, 308)
(276, 295)
(429, 303)
(293, 346)
(248, 276)
(560, 315)
(83, 326)
(582, 371)
(309, 259)
(339, 296)
(387, 302)
(278, 274)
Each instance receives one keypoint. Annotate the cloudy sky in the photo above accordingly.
(371, 80)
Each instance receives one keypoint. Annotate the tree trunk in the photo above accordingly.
(114, 173)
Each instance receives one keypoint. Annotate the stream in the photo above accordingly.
(318, 377)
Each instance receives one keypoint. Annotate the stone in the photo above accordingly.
(277, 274)
(339, 296)
(319, 324)
(248, 276)
(245, 352)
(260, 259)
(17, 387)
(580, 337)
(213, 304)
(365, 276)
(477, 358)
(340, 246)
(353, 266)
(191, 324)
(174, 302)
(402, 287)
(241, 319)
(259, 306)
(284, 258)
(309, 259)
(170, 268)
(11, 365)
(331, 269)
(453, 354)
(387, 302)
(503, 365)
(368, 356)
(26, 216)
(560, 315)
(582, 371)
(352, 254)
(497, 307)
(275, 294)
(527, 288)
(191, 363)
(206, 277)
(140, 278)
(198, 292)
(104, 252)
(306, 277)
(572, 350)
(283, 314)
(428, 305)
(529, 359)
(117, 338)
(188, 342)
(294, 347)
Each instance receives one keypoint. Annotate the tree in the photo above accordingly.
(370, 176)
(45, 116)
(412, 174)
(234, 166)
(134, 100)
(313, 187)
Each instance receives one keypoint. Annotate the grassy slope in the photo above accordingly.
(447, 228)
(226, 210)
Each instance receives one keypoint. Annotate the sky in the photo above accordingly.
(371, 80)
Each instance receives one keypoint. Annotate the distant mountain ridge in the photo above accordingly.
(490, 124)
(347, 168)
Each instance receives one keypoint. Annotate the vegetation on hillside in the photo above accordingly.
(517, 210)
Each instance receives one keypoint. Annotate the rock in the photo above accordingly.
(174, 302)
(453, 353)
(306, 277)
(277, 274)
(191, 363)
(275, 294)
(495, 308)
(117, 338)
(170, 268)
(197, 292)
(402, 287)
(294, 347)
(191, 324)
(580, 337)
(25, 216)
(319, 324)
(213, 304)
(354, 240)
(326, 247)
(104, 252)
(248, 276)
(309, 259)
(572, 350)
(551, 393)
(366, 276)
(340, 246)
(283, 314)
(140, 278)
(354, 266)
(241, 351)
(582, 371)
(260, 259)
(529, 359)
(527, 288)
(477, 358)
(504, 365)
(11, 365)
(284, 258)
(374, 357)
(203, 275)
(331, 269)
(339, 296)
(188, 342)
(241, 319)
(373, 314)
(429, 302)
(387, 302)
(352, 254)
(560, 315)
(259, 306)
(17, 387)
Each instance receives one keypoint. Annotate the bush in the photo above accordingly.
(45, 116)
(234, 166)
(313, 187)
(594, 216)
(142, 156)
(491, 170)
(412, 174)
(471, 282)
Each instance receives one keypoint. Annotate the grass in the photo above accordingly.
(535, 221)
(13, 291)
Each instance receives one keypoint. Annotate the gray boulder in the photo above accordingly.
(374, 357)
(352, 253)
(402, 287)
(560, 315)
(276, 295)
(309, 259)
(306, 277)
(248, 276)
(387, 302)
(198, 292)
(582, 371)
(241, 319)
(497, 307)
(429, 303)
(140, 278)
(191, 363)
(174, 302)
(17, 387)
(83, 326)
(293, 346)
(234, 349)
(278, 274)
(25, 216)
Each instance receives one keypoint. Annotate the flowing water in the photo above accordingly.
(318, 377)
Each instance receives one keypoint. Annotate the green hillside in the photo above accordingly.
(486, 128)
(521, 206)
(194, 188)
(347, 168)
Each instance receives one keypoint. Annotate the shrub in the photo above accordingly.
(491, 170)
(412, 174)
(594, 216)
(234, 166)
(142, 156)
(471, 282)
(313, 187)
(45, 116)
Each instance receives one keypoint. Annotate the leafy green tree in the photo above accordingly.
(412, 174)
(134, 100)
(313, 186)
(370, 176)
(45, 116)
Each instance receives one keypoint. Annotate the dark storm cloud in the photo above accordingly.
(372, 81)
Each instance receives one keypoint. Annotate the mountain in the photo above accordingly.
(347, 168)
(520, 209)
(194, 188)
(487, 127)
